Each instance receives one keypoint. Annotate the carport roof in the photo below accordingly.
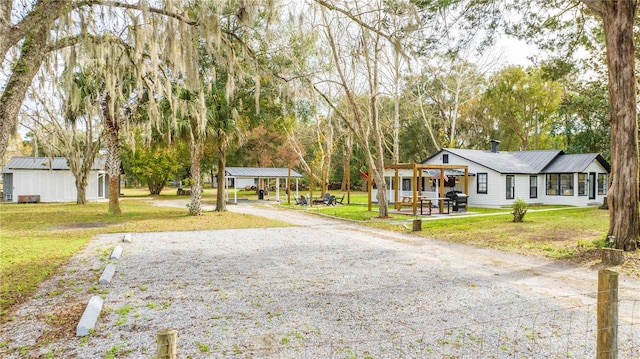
(260, 172)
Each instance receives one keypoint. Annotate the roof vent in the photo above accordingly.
(495, 146)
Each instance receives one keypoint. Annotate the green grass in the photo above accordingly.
(551, 231)
(571, 233)
(35, 239)
(169, 193)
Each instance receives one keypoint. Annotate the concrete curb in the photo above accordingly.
(117, 252)
(94, 307)
(90, 316)
(107, 274)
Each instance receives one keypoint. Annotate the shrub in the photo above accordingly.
(519, 210)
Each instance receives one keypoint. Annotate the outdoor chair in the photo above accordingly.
(303, 201)
(339, 200)
(298, 201)
(326, 199)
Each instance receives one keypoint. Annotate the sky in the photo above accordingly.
(514, 51)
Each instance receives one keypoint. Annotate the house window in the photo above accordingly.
(406, 184)
(481, 182)
(533, 186)
(566, 184)
(560, 184)
(445, 158)
(553, 185)
(602, 183)
(511, 186)
(582, 184)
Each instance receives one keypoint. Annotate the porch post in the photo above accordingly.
(395, 189)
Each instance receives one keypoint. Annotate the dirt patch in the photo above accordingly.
(82, 225)
(62, 322)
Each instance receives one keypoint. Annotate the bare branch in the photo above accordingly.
(123, 5)
(357, 20)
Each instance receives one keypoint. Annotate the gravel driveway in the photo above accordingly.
(323, 288)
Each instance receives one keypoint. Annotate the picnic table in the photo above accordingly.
(428, 201)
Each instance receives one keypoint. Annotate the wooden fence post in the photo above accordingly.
(607, 336)
(166, 341)
(417, 225)
(612, 256)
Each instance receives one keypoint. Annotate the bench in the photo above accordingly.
(29, 198)
(406, 201)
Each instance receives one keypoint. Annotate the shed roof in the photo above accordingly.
(45, 163)
(260, 172)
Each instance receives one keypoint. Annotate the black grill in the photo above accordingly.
(459, 199)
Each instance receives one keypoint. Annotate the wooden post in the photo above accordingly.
(369, 188)
(310, 185)
(396, 193)
(414, 194)
(607, 336)
(289, 185)
(349, 184)
(466, 188)
(417, 225)
(166, 341)
(612, 256)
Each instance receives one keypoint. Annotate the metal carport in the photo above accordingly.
(261, 173)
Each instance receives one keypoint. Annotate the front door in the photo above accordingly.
(592, 185)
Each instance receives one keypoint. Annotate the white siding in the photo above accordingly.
(576, 200)
(597, 168)
(52, 186)
(496, 186)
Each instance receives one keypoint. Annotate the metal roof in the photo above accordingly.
(538, 159)
(503, 162)
(45, 163)
(257, 172)
(574, 163)
(528, 162)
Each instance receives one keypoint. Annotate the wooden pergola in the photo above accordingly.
(418, 170)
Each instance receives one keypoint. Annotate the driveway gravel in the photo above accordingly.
(323, 288)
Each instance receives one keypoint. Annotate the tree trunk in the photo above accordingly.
(33, 30)
(377, 162)
(624, 221)
(112, 140)
(114, 193)
(221, 204)
(346, 165)
(155, 187)
(195, 206)
(23, 72)
(81, 189)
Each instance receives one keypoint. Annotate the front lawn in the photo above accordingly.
(565, 233)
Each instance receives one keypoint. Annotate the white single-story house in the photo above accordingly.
(498, 178)
(26, 178)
